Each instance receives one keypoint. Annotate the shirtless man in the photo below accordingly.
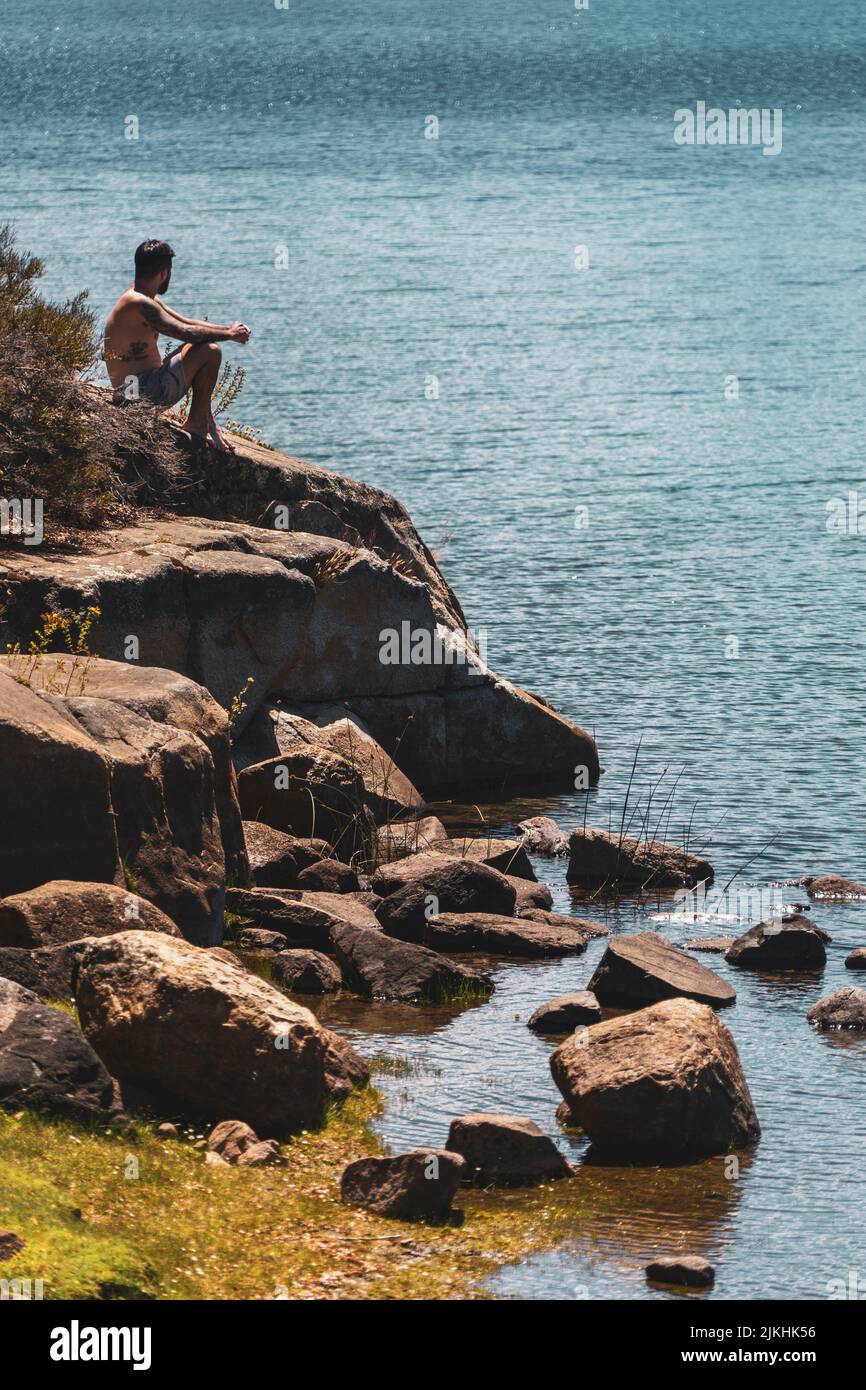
(132, 356)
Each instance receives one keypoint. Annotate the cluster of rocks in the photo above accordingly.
(483, 1150)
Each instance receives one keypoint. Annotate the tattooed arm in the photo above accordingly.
(157, 318)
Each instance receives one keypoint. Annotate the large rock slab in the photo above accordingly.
(646, 968)
(47, 1065)
(167, 1016)
(599, 857)
(662, 1083)
(506, 1150)
(302, 616)
(846, 1008)
(64, 910)
(375, 965)
(790, 942)
(494, 935)
(414, 1186)
(458, 886)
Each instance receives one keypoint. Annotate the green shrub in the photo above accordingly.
(61, 439)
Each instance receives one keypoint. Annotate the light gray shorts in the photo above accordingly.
(166, 384)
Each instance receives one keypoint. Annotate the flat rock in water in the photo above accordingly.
(646, 968)
(258, 939)
(506, 1149)
(857, 959)
(414, 1186)
(46, 1064)
(717, 944)
(564, 919)
(832, 887)
(381, 967)
(597, 856)
(502, 936)
(844, 1009)
(566, 1012)
(790, 942)
(663, 1083)
(684, 1271)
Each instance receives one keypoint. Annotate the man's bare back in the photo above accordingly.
(131, 349)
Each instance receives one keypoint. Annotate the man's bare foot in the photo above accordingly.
(217, 439)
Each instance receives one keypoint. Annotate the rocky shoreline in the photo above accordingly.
(224, 814)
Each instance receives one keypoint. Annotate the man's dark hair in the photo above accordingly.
(151, 257)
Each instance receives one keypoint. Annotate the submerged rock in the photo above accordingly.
(47, 1065)
(717, 945)
(65, 910)
(684, 1271)
(599, 857)
(167, 1016)
(662, 1083)
(790, 942)
(383, 968)
(566, 1012)
(645, 968)
(846, 1008)
(414, 1186)
(502, 936)
(507, 1150)
(834, 888)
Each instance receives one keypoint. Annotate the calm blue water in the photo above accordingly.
(559, 388)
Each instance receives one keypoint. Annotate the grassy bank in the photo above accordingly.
(181, 1230)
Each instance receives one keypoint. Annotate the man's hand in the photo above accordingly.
(239, 333)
